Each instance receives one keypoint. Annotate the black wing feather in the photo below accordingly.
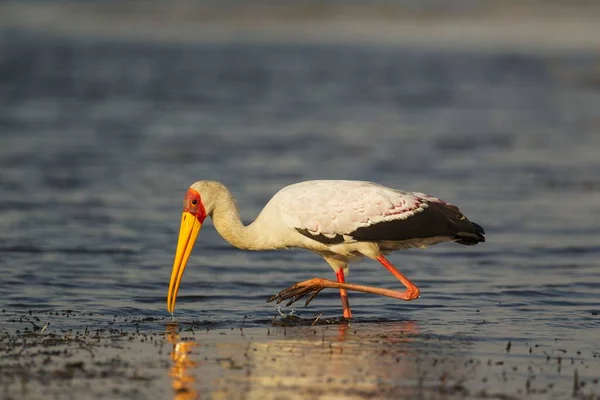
(438, 219)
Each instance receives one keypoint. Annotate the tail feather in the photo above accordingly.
(471, 238)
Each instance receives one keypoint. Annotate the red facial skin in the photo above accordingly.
(192, 203)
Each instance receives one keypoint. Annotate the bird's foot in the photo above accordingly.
(295, 292)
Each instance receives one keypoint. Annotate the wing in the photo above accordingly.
(337, 211)
(436, 220)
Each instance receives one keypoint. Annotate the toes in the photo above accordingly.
(295, 293)
(312, 296)
(289, 303)
(283, 295)
(272, 298)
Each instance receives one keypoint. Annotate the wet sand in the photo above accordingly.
(287, 358)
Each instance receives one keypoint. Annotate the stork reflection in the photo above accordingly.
(375, 360)
(183, 381)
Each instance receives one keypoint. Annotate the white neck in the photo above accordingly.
(226, 218)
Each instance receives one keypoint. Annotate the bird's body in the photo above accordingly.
(339, 220)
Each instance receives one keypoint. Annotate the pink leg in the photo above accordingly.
(344, 294)
(412, 292)
(315, 285)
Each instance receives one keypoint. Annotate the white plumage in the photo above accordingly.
(339, 220)
(335, 208)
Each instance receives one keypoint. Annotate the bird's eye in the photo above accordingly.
(194, 202)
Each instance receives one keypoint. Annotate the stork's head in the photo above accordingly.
(198, 203)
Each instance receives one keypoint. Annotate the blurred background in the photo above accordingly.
(110, 109)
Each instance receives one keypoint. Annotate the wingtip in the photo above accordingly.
(471, 238)
(479, 229)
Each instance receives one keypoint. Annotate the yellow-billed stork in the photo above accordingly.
(339, 220)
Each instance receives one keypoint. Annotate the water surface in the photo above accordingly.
(100, 139)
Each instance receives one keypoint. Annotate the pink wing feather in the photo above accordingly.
(333, 208)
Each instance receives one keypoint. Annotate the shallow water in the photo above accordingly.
(100, 139)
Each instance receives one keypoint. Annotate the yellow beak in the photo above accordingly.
(188, 232)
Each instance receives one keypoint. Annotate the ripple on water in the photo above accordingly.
(100, 140)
